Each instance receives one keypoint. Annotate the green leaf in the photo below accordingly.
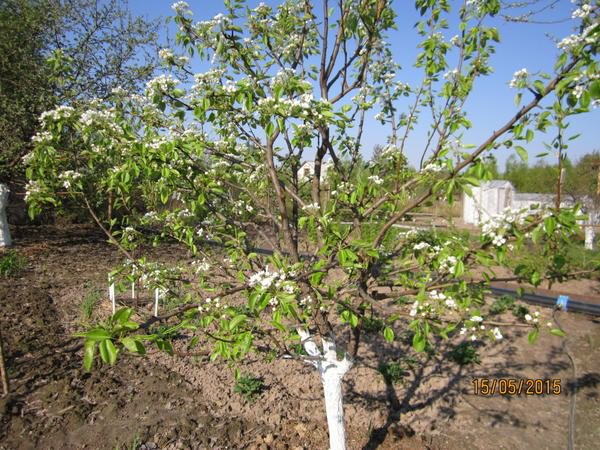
(557, 332)
(584, 100)
(104, 351)
(269, 129)
(388, 334)
(522, 153)
(594, 90)
(532, 336)
(122, 315)
(97, 334)
(237, 320)
(129, 344)
(353, 320)
(419, 342)
(112, 351)
(89, 350)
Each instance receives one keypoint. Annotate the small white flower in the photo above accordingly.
(473, 337)
(497, 334)
(519, 79)
(375, 179)
(476, 319)
(180, 7)
(528, 317)
(421, 245)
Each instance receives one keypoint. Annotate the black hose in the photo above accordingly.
(551, 302)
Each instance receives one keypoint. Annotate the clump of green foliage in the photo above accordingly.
(11, 264)
(508, 303)
(249, 386)
(464, 354)
(393, 372)
(373, 324)
(502, 304)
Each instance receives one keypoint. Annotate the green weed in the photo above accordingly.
(465, 353)
(11, 264)
(248, 386)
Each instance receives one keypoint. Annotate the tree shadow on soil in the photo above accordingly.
(446, 382)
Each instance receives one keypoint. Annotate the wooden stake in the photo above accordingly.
(3, 373)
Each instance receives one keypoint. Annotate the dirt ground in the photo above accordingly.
(160, 402)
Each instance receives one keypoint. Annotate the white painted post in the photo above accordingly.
(589, 236)
(5, 240)
(332, 373)
(156, 302)
(111, 294)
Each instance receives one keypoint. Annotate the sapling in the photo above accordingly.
(282, 258)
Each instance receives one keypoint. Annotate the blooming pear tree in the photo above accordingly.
(212, 159)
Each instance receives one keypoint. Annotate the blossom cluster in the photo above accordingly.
(68, 176)
(161, 83)
(519, 79)
(265, 278)
(496, 227)
(575, 40)
(375, 180)
(61, 112)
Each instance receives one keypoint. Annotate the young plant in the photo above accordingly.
(249, 386)
(464, 354)
(393, 372)
(214, 164)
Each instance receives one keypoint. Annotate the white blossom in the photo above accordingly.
(497, 334)
(68, 177)
(421, 245)
(312, 207)
(180, 7)
(375, 179)
(519, 79)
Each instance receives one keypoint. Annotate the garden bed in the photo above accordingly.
(426, 401)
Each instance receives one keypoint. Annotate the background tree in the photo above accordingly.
(94, 47)
(26, 88)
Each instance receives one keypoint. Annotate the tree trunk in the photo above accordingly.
(334, 407)
(332, 371)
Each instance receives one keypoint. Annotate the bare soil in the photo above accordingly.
(160, 402)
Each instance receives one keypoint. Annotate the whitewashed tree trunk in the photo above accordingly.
(589, 236)
(332, 371)
(5, 240)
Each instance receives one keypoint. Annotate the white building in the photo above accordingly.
(492, 197)
(488, 200)
(307, 170)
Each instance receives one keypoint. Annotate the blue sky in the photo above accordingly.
(490, 106)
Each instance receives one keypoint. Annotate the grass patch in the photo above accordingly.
(464, 354)
(373, 324)
(502, 304)
(248, 386)
(11, 264)
(89, 302)
(393, 372)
